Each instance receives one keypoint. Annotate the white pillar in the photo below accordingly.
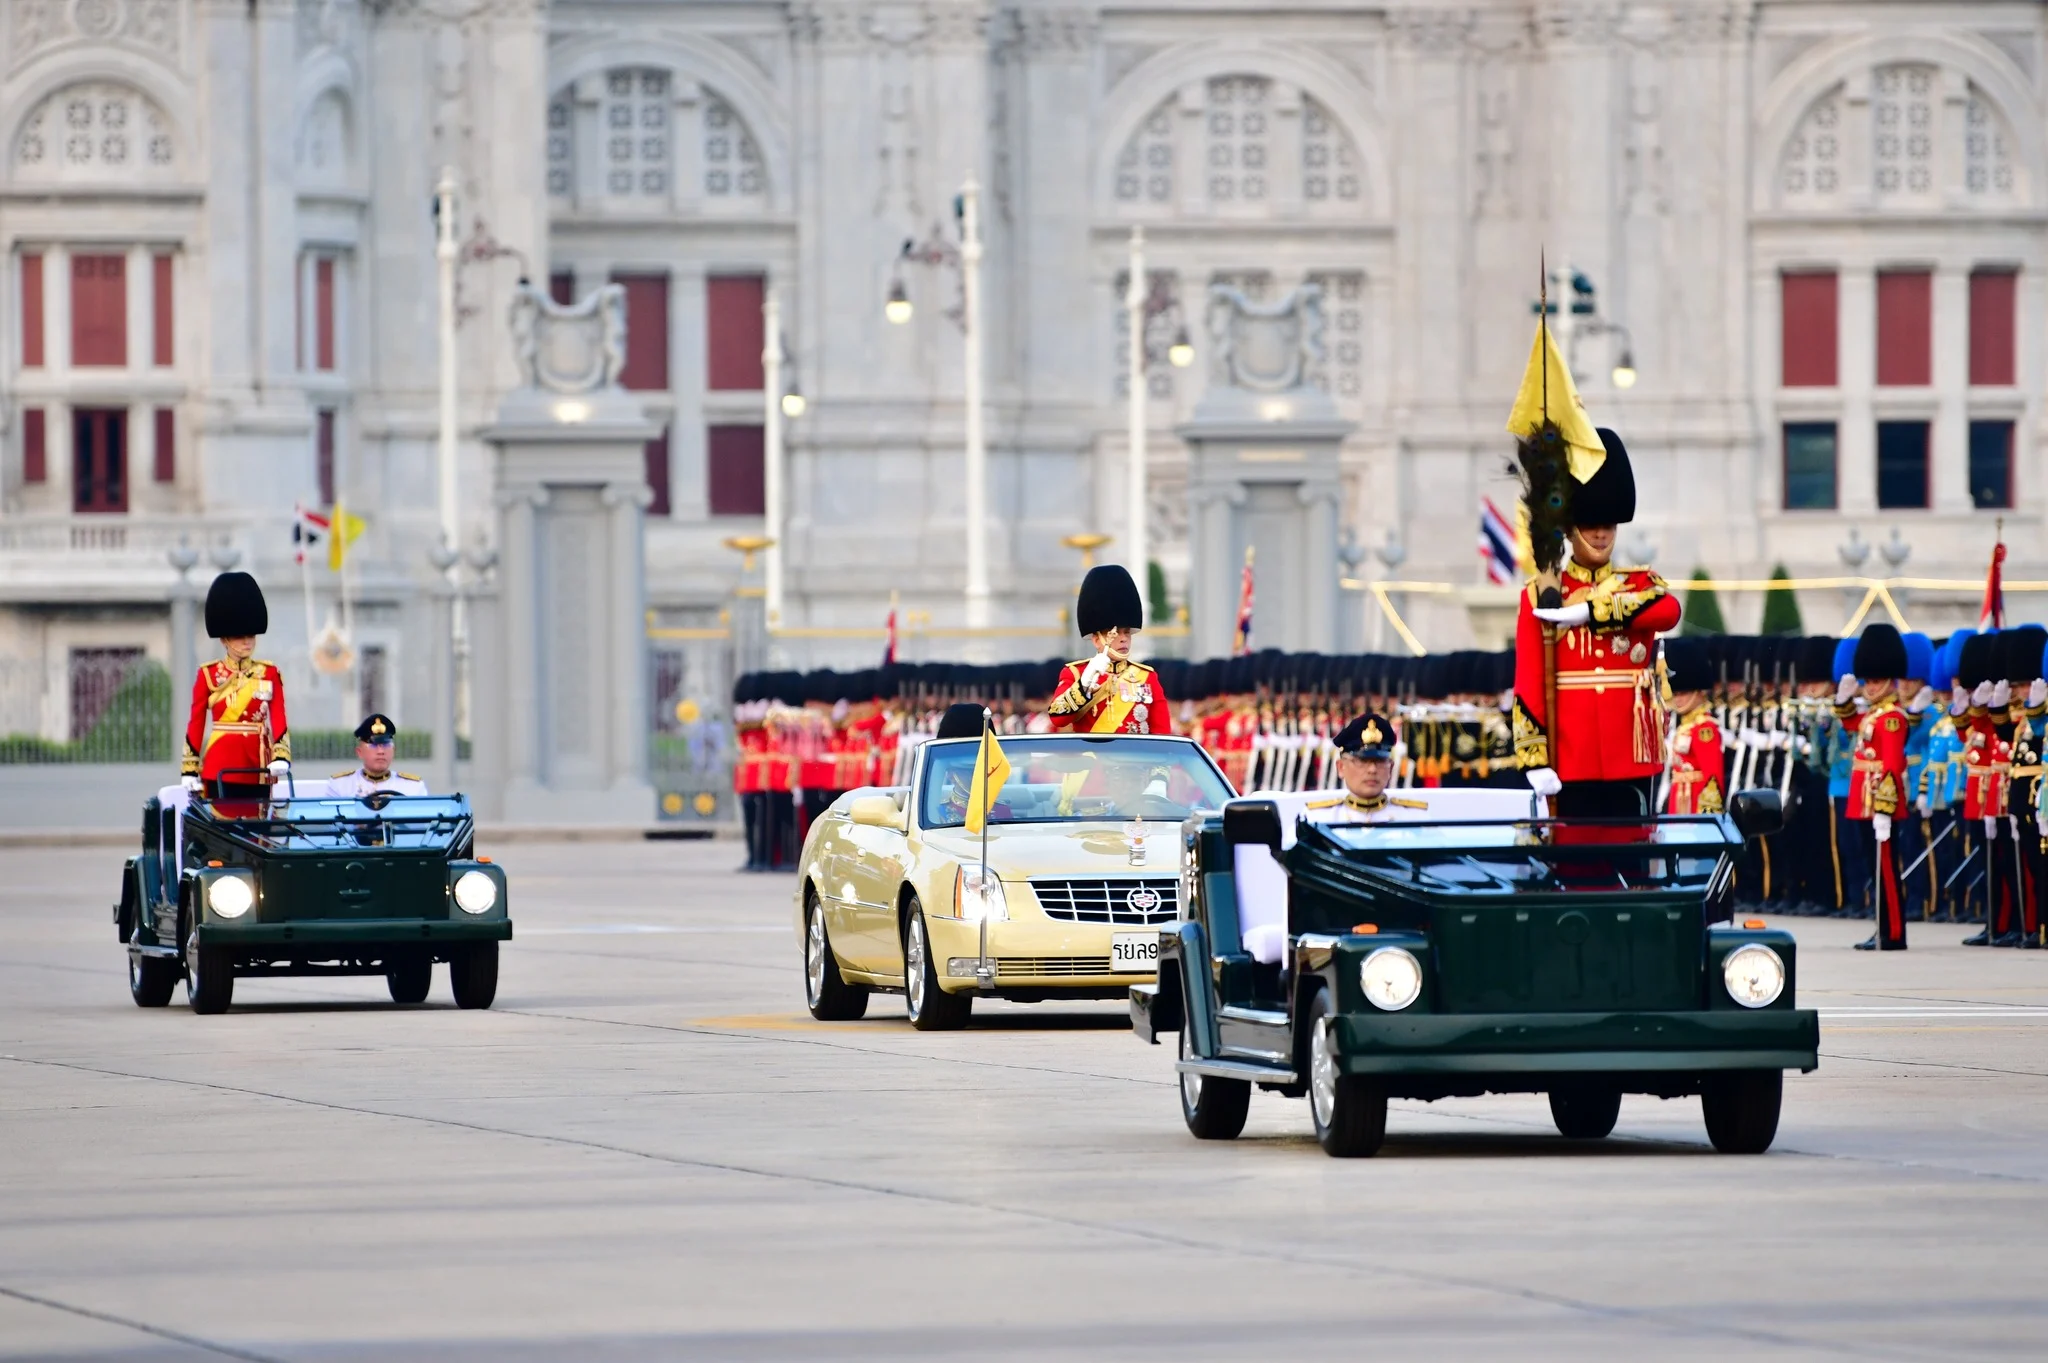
(771, 461)
(1135, 549)
(445, 252)
(977, 453)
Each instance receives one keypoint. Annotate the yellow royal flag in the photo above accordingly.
(1547, 387)
(991, 769)
(343, 531)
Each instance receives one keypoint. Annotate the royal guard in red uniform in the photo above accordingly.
(236, 741)
(1109, 693)
(1877, 770)
(1699, 775)
(1600, 755)
(1981, 706)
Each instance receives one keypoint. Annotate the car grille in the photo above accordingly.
(1051, 967)
(1108, 900)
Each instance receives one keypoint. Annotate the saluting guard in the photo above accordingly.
(1877, 772)
(1699, 776)
(237, 721)
(1109, 693)
(1982, 712)
(376, 746)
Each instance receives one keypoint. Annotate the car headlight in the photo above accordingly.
(1391, 979)
(475, 892)
(978, 896)
(1754, 974)
(230, 896)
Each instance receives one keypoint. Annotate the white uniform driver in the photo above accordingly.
(376, 745)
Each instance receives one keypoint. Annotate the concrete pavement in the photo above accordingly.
(648, 1151)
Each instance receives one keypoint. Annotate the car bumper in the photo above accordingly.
(1033, 954)
(1523, 1043)
(354, 932)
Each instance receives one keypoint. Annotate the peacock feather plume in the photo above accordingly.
(1540, 463)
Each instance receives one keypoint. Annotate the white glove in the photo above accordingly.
(1097, 669)
(1845, 688)
(194, 785)
(279, 769)
(1981, 697)
(1925, 805)
(2041, 822)
(1568, 615)
(1881, 824)
(1923, 698)
(2037, 693)
(2001, 695)
(1543, 780)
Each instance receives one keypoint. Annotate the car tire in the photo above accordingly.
(1349, 1110)
(473, 972)
(410, 978)
(1214, 1109)
(1585, 1112)
(1741, 1108)
(151, 979)
(209, 975)
(931, 1008)
(826, 992)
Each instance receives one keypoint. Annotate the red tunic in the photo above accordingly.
(746, 769)
(1877, 772)
(1699, 772)
(237, 721)
(1610, 722)
(1129, 701)
(1987, 764)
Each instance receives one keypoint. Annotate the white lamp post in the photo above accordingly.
(771, 471)
(445, 253)
(977, 453)
(1135, 548)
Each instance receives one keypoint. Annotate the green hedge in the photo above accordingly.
(339, 745)
(135, 727)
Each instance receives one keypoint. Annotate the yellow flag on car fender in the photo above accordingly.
(991, 769)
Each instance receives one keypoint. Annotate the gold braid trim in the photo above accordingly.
(1532, 745)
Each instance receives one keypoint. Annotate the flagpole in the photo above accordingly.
(305, 575)
(984, 971)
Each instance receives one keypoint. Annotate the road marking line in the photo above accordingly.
(1866, 1014)
(636, 929)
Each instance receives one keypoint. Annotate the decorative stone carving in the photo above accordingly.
(1056, 32)
(93, 131)
(1493, 160)
(569, 348)
(1430, 30)
(151, 26)
(1264, 347)
(1643, 175)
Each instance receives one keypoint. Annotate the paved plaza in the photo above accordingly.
(648, 1151)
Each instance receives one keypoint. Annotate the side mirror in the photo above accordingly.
(1252, 821)
(876, 811)
(1757, 813)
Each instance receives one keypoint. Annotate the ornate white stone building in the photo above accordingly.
(1820, 223)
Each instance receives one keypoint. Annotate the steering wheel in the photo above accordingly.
(377, 799)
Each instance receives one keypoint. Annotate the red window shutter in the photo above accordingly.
(734, 332)
(35, 446)
(163, 348)
(1905, 328)
(562, 287)
(1993, 296)
(323, 453)
(31, 311)
(323, 314)
(1809, 326)
(299, 314)
(737, 458)
(646, 331)
(657, 474)
(166, 445)
(99, 311)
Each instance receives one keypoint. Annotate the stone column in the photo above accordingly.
(1949, 442)
(1856, 379)
(630, 721)
(519, 742)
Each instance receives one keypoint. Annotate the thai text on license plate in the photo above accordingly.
(1134, 953)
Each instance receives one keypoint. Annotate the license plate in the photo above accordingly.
(1134, 953)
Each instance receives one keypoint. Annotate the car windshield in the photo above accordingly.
(1552, 855)
(1058, 779)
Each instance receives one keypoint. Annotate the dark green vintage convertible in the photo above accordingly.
(313, 884)
(1439, 957)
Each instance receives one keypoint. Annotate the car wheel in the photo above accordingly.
(1350, 1110)
(826, 992)
(410, 978)
(1585, 1112)
(931, 1008)
(151, 979)
(473, 971)
(1742, 1109)
(209, 975)
(1214, 1109)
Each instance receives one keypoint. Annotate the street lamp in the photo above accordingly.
(898, 308)
(1575, 312)
(774, 355)
(1181, 353)
(1135, 547)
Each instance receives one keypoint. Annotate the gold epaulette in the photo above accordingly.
(405, 776)
(1326, 804)
(338, 775)
(1407, 804)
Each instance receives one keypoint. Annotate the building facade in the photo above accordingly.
(1814, 230)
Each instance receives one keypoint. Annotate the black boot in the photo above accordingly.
(1982, 939)
(1868, 944)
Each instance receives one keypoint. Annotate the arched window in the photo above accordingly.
(1240, 146)
(1936, 141)
(1329, 163)
(323, 151)
(1144, 170)
(635, 120)
(95, 130)
(641, 138)
(1813, 158)
(732, 163)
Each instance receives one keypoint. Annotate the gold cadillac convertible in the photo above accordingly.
(1083, 868)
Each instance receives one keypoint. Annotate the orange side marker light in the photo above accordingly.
(1367, 929)
(216, 863)
(1752, 922)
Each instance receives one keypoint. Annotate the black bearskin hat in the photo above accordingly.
(234, 607)
(1978, 660)
(963, 720)
(1688, 664)
(1881, 654)
(1109, 600)
(1609, 496)
(2019, 653)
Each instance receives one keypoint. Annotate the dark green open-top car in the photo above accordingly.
(313, 884)
(1430, 959)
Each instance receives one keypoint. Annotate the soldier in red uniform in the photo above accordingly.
(1601, 754)
(1982, 711)
(1877, 770)
(1699, 777)
(238, 721)
(1109, 693)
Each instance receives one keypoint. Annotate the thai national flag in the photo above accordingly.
(307, 528)
(1992, 615)
(1496, 544)
(889, 637)
(1242, 644)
